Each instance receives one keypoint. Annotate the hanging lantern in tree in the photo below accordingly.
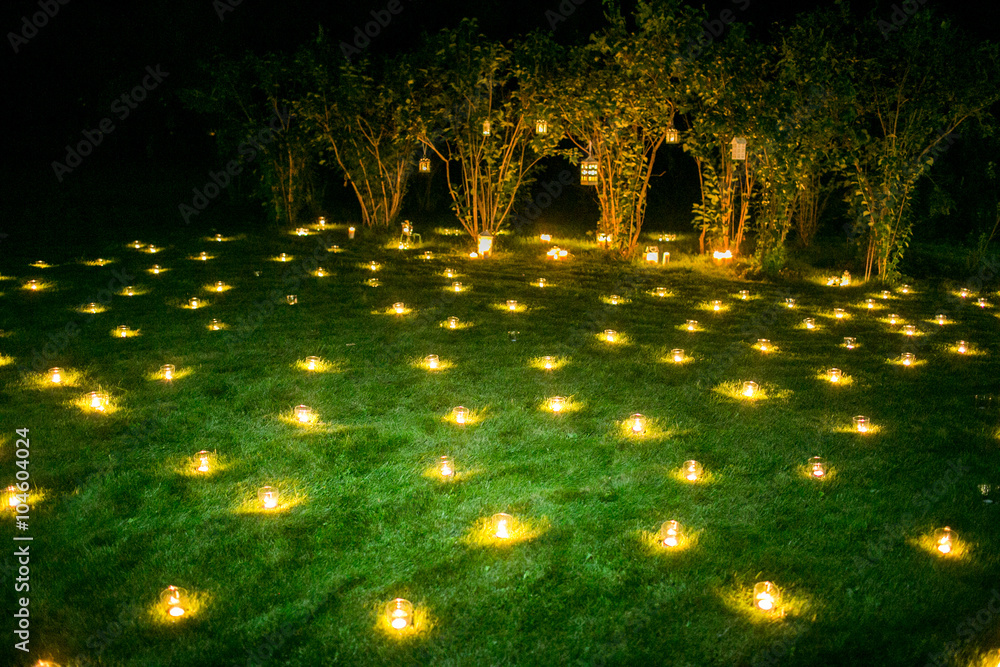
(486, 128)
(425, 165)
(588, 171)
(541, 126)
(672, 136)
(739, 148)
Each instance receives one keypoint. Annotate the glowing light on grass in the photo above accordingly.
(55, 375)
(964, 293)
(557, 403)
(764, 345)
(399, 308)
(716, 305)
(203, 256)
(448, 273)
(284, 257)
(399, 614)
(870, 304)
(174, 601)
(677, 355)
(691, 325)
(962, 347)
(501, 525)
(982, 303)
(122, 331)
(541, 282)
(302, 231)
(267, 497)
(156, 270)
(894, 319)
(817, 468)
(834, 375)
(637, 424)
(661, 292)
(766, 596)
(456, 286)
(610, 335)
(907, 359)
(905, 289)
(460, 415)
(97, 401)
(372, 282)
(12, 494)
(547, 363)
(167, 372)
(944, 540)
(292, 299)
(909, 330)
(670, 534)
(557, 253)
(304, 414)
(446, 467)
(129, 291)
(511, 305)
(789, 302)
(220, 286)
(32, 285)
(862, 424)
(941, 319)
(722, 254)
(839, 313)
(203, 461)
(432, 362)
(194, 303)
(545, 238)
(452, 322)
(216, 325)
(850, 343)
(312, 363)
(744, 295)
(809, 323)
(749, 389)
(692, 471)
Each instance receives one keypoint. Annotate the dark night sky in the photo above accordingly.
(65, 79)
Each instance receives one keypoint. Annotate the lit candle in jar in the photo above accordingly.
(839, 313)
(304, 414)
(691, 325)
(744, 294)
(292, 299)
(350, 232)
(167, 371)
(33, 284)
(716, 305)
(448, 273)
(547, 363)
(749, 389)
(908, 358)
(963, 347)
(202, 458)
(501, 525)
(156, 269)
(122, 331)
(432, 361)
(615, 299)
(861, 424)
(283, 257)
(850, 343)
(894, 319)
(312, 363)
(267, 496)
(542, 282)
(692, 471)
(557, 403)
(834, 375)
(637, 423)
(215, 325)
(905, 289)
(96, 401)
(446, 467)
(461, 414)
(610, 335)
(398, 307)
(452, 322)
(55, 375)
(219, 238)
(511, 304)
(677, 355)
(203, 256)
(941, 318)
(909, 330)
(91, 307)
(220, 286)
(399, 612)
(661, 291)
(174, 601)
(194, 302)
(670, 534)
(545, 238)
(817, 468)
(130, 291)
(869, 304)
(790, 302)
(320, 272)
(886, 294)
(766, 596)
(964, 292)
(809, 323)
(456, 286)
(764, 344)
(944, 540)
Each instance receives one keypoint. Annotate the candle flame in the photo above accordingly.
(502, 531)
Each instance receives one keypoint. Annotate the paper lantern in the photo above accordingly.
(486, 128)
(446, 467)
(692, 471)
(267, 497)
(175, 601)
(167, 371)
(677, 355)
(432, 362)
(452, 322)
(817, 469)
(399, 614)
(485, 245)
(944, 540)
(670, 534)
(671, 136)
(461, 414)
(766, 596)
(501, 524)
(541, 126)
(557, 403)
(202, 458)
(749, 389)
(55, 375)
(425, 165)
(739, 148)
(588, 171)
(861, 424)
(850, 343)
(312, 363)
(637, 423)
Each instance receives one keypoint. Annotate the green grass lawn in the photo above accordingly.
(119, 510)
